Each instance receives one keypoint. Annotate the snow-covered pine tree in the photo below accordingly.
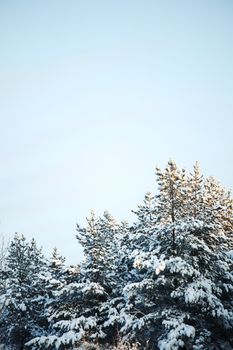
(20, 318)
(109, 231)
(57, 264)
(218, 205)
(126, 243)
(99, 244)
(147, 217)
(3, 254)
(55, 279)
(172, 197)
(145, 211)
(195, 183)
(39, 276)
(62, 314)
(183, 300)
(82, 305)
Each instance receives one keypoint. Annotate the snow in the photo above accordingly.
(160, 268)
(179, 265)
(22, 306)
(176, 335)
(81, 322)
(230, 254)
(93, 287)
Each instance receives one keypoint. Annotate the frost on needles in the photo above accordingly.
(164, 282)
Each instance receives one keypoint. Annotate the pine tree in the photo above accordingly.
(23, 294)
(82, 303)
(145, 211)
(183, 300)
(218, 205)
(56, 279)
(172, 196)
(57, 272)
(99, 245)
(195, 192)
(92, 242)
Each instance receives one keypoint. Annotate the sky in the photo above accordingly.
(95, 94)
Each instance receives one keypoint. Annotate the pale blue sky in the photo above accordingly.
(95, 94)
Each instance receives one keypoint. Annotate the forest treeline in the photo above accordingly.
(164, 282)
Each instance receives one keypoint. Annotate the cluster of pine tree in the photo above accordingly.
(164, 282)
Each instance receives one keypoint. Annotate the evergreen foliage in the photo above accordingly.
(23, 293)
(164, 282)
